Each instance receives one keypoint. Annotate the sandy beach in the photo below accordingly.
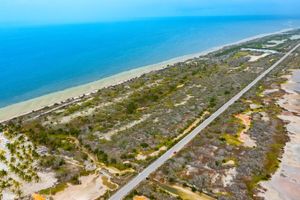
(25, 107)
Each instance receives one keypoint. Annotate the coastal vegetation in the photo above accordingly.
(216, 162)
(117, 131)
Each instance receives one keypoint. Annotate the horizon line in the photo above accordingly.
(136, 19)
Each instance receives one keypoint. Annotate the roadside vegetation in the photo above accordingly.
(117, 131)
(217, 163)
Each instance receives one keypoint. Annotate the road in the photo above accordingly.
(126, 189)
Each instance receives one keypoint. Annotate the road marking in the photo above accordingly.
(126, 189)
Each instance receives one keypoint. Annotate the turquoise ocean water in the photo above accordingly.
(38, 60)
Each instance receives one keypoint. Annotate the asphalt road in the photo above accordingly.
(126, 189)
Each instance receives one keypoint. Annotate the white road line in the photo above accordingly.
(126, 189)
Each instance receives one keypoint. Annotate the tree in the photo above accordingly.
(144, 145)
(131, 107)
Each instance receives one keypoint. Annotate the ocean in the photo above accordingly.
(38, 60)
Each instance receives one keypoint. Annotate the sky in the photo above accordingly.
(79, 11)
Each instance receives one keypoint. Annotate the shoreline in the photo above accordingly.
(25, 107)
(285, 181)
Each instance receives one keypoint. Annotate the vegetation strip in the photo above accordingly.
(120, 194)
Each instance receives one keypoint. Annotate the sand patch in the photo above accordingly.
(265, 116)
(141, 156)
(229, 163)
(295, 37)
(285, 183)
(68, 118)
(4, 151)
(229, 176)
(183, 192)
(180, 86)
(187, 194)
(260, 50)
(254, 106)
(190, 169)
(185, 100)
(274, 43)
(290, 102)
(243, 136)
(108, 135)
(91, 188)
(47, 180)
(270, 91)
(253, 58)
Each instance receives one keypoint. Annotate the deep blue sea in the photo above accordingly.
(37, 60)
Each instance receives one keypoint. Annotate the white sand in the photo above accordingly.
(229, 176)
(28, 106)
(244, 137)
(285, 183)
(184, 101)
(270, 91)
(47, 180)
(254, 106)
(295, 37)
(260, 50)
(108, 135)
(4, 150)
(265, 117)
(187, 194)
(256, 58)
(274, 43)
(91, 188)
